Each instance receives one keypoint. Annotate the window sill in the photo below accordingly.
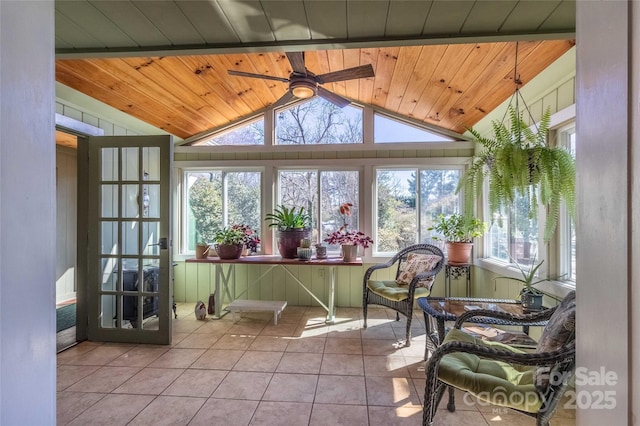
(557, 289)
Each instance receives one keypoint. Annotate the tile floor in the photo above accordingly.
(299, 372)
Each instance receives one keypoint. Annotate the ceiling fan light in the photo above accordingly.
(303, 89)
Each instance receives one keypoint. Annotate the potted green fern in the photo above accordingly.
(518, 161)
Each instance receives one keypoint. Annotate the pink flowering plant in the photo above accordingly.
(346, 236)
(250, 237)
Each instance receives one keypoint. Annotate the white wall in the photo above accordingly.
(607, 159)
(27, 214)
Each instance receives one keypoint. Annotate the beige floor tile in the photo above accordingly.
(307, 344)
(395, 416)
(269, 343)
(215, 327)
(198, 383)
(67, 356)
(343, 346)
(234, 341)
(384, 332)
(391, 391)
(99, 355)
(380, 347)
(149, 381)
(139, 356)
(67, 375)
(304, 363)
(390, 366)
(105, 379)
(169, 410)
(247, 327)
(178, 337)
(282, 330)
(341, 390)
(243, 385)
(69, 405)
(348, 365)
(258, 361)
(113, 410)
(291, 387)
(228, 412)
(218, 359)
(188, 326)
(282, 413)
(344, 331)
(338, 415)
(177, 358)
(199, 341)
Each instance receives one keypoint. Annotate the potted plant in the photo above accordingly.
(518, 161)
(229, 242)
(349, 240)
(530, 296)
(291, 225)
(458, 232)
(251, 239)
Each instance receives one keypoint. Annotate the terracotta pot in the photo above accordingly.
(289, 241)
(229, 251)
(459, 253)
(349, 252)
(202, 250)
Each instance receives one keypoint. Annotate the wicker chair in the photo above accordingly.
(400, 297)
(495, 373)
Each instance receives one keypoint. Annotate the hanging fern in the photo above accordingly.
(518, 161)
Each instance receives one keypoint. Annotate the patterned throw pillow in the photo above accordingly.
(558, 332)
(417, 263)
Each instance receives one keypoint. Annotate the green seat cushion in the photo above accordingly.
(492, 381)
(393, 291)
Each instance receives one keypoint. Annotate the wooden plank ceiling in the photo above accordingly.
(451, 86)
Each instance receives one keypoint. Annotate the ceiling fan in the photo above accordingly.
(305, 84)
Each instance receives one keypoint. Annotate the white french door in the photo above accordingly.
(128, 274)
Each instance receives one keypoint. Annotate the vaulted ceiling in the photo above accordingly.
(444, 63)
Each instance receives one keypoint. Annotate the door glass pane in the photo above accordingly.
(109, 238)
(109, 201)
(130, 311)
(150, 237)
(108, 311)
(109, 164)
(151, 162)
(130, 201)
(150, 321)
(153, 200)
(130, 164)
(437, 196)
(130, 238)
(109, 273)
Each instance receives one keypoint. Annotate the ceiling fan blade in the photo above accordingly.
(265, 77)
(333, 98)
(297, 62)
(285, 99)
(362, 71)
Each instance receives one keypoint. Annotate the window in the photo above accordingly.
(566, 227)
(408, 202)
(321, 192)
(391, 130)
(513, 235)
(317, 121)
(249, 133)
(218, 198)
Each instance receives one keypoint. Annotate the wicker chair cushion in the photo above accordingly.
(417, 263)
(393, 291)
(559, 331)
(489, 380)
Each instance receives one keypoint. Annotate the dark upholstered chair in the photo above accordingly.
(498, 374)
(416, 268)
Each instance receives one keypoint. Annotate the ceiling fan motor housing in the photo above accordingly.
(303, 87)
